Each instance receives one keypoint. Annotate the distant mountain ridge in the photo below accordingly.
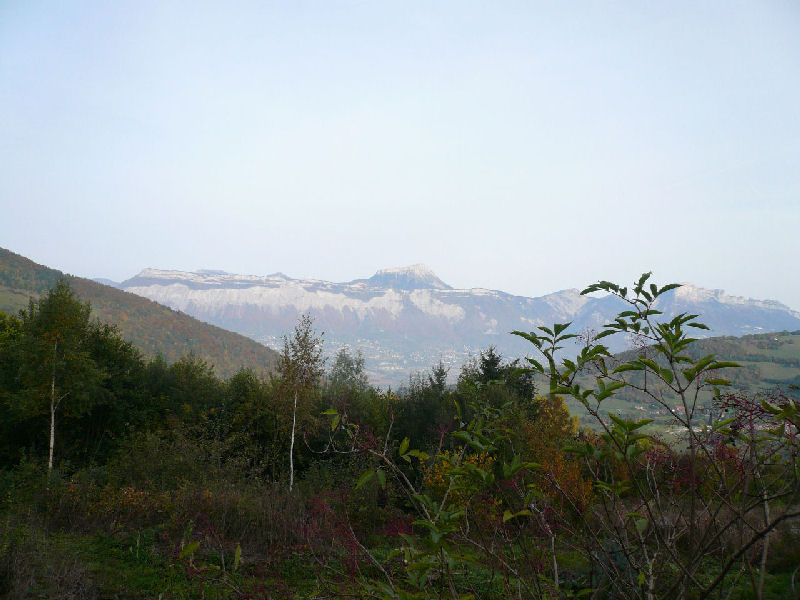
(151, 327)
(407, 318)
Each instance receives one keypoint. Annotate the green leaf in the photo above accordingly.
(365, 477)
(725, 364)
(628, 367)
(668, 287)
(537, 365)
(531, 337)
(650, 363)
(769, 408)
(643, 279)
(641, 525)
(189, 549)
(404, 445)
(427, 524)
(237, 557)
(604, 486)
(559, 327)
(330, 411)
(419, 454)
(622, 423)
(604, 391)
(425, 500)
(578, 449)
(335, 422)
(718, 425)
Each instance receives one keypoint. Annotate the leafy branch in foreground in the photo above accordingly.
(688, 515)
(475, 506)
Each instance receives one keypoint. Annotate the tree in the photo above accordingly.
(347, 371)
(300, 366)
(490, 368)
(56, 362)
(10, 335)
(437, 379)
(194, 387)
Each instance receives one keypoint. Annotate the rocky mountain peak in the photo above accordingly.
(412, 277)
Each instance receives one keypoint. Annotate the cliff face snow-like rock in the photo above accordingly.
(407, 318)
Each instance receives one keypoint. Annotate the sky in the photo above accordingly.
(523, 146)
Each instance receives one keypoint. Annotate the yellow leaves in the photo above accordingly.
(552, 427)
(437, 478)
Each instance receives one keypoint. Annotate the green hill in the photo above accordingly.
(768, 361)
(153, 328)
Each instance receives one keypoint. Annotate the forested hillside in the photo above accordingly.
(151, 327)
(767, 361)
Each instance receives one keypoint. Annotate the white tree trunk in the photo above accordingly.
(291, 446)
(555, 560)
(52, 411)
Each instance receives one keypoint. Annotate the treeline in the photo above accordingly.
(59, 366)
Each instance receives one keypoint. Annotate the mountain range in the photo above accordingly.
(407, 319)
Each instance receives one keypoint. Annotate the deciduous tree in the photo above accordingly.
(300, 366)
(56, 362)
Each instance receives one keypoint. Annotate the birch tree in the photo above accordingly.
(57, 365)
(300, 367)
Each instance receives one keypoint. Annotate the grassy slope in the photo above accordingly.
(150, 326)
(768, 361)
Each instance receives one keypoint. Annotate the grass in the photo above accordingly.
(41, 561)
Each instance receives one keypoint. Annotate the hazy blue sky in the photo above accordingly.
(521, 146)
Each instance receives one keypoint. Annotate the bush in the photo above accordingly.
(33, 565)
